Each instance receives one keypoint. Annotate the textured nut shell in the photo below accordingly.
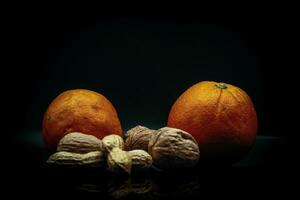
(68, 158)
(119, 161)
(173, 148)
(140, 159)
(138, 138)
(113, 141)
(79, 143)
(135, 129)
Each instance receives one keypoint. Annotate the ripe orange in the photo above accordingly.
(220, 116)
(79, 110)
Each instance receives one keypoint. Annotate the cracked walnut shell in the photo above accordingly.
(173, 148)
(138, 138)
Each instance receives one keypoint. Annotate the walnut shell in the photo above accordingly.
(138, 138)
(173, 148)
(141, 160)
(79, 143)
(76, 159)
(113, 141)
(119, 161)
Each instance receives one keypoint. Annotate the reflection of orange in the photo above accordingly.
(220, 116)
(81, 111)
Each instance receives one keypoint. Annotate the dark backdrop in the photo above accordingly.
(142, 64)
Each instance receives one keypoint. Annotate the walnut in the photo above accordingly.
(173, 148)
(119, 161)
(141, 160)
(138, 138)
(113, 141)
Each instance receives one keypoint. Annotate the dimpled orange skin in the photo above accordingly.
(220, 116)
(79, 110)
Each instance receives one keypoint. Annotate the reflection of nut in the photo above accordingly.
(121, 190)
(119, 161)
(93, 158)
(130, 186)
(113, 141)
(90, 188)
(138, 138)
(141, 187)
(141, 160)
(173, 148)
(79, 143)
(184, 186)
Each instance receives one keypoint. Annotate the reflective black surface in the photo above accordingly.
(265, 167)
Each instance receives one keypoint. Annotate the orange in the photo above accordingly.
(220, 116)
(79, 110)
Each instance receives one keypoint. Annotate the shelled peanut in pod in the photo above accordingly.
(119, 161)
(78, 149)
(79, 143)
(141, 160)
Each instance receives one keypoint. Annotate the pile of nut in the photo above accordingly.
(164, 148)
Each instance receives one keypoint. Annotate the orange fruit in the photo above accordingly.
(79, 110)
(220, 116)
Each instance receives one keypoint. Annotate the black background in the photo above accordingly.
(142, 64)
